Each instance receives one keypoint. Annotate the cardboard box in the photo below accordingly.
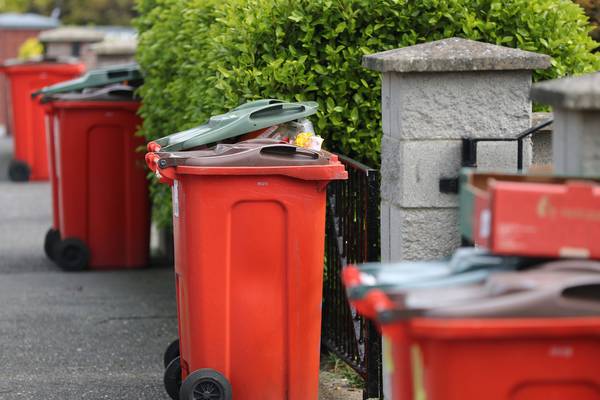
(539, 216)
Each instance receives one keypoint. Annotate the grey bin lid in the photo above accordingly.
(250, 153)
(15, 21)
(467, 265)
(556, 289)
(129, 73)
(248, 117)
(115, 92)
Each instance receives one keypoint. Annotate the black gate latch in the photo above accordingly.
(469, 155)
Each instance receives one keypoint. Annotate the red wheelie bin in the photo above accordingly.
(516, 335)
(30, 154)
(101, 205)
(249, 222)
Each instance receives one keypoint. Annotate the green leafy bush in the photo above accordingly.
(205, 57)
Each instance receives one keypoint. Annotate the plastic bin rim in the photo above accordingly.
(333, 171)
(507, 328)
(66, 68)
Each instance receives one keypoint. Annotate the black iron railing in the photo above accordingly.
(352, 237)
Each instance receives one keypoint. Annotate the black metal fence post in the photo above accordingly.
(352, 237)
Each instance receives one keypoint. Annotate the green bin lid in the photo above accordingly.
(96, 78)
(116, 92)
(258, 103)
(248, 117)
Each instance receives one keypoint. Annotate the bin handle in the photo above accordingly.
(588, 292)
(379, 301)
(351, 276)
(152, 161)
(267, 111)
(153, 147)
(171, 162)
(258, 103)
(374, 305)
(117, 74)
(277, 150)
(164, 175)
(289, 150)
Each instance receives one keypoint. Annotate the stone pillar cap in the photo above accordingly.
(455, 54)
(582, 92)
(115, 47)
(71, 34)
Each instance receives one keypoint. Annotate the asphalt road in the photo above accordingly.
(88, 335)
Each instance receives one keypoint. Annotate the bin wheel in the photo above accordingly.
(205, 384)
(171, 352)
(52, 236)
(18, 171)
(71, 254)
(172, 378)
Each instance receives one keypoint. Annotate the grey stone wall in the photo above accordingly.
(114, 51)
(453, 105)
(433, 95)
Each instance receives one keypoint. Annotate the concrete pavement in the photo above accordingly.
(89, 335)
(92, 335)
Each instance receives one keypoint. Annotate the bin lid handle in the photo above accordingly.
(584, 292)
(275, 110)
(258, 103)
(289, 150)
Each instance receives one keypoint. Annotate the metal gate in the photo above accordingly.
(352, 236)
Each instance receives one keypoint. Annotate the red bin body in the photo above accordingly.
(509, 359)
(484, 358)
(28, 114)
(99, 185)
(11, 39)
(249, 245)
(50, 121)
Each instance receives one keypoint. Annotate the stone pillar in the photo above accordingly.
(113, 52)
(542, 140)
(576, 136)
(433, 95)
(71, 41)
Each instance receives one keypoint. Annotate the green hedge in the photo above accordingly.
(204, 57)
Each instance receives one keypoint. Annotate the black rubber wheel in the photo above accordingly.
(18, 171)
(171, 352)
(52, 236)
(172, 378)
(205, 384)
(71, 254)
